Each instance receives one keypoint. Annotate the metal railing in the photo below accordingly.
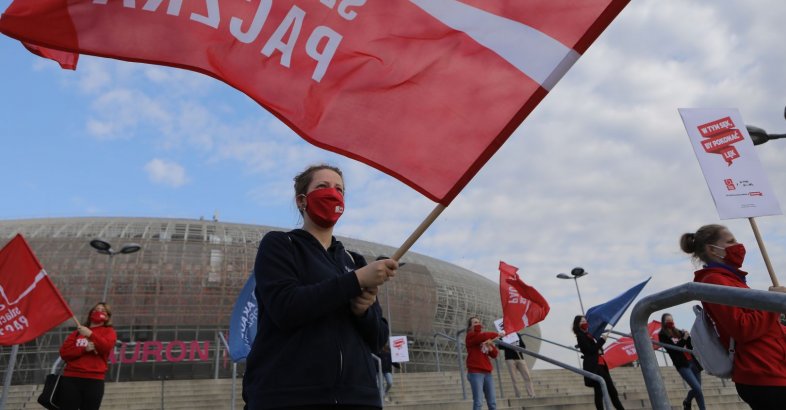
(380, 379)
(554, 343)
(590, 375)
(458, 355)
(723, 295)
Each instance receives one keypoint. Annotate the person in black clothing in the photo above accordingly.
(592, 353)
(686, 364)
(319, 320)
(514, 359)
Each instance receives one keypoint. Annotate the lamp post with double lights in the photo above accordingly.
(105, 248)
(575, 274)
(759, 136)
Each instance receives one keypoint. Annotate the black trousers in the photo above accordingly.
(603, 372)
(762, 397)
(77, 393)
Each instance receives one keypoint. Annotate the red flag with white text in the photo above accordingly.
(522, 305)
(423, 90)
(30, 304)
(623, 351)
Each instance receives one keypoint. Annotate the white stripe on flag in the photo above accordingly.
(538, 56)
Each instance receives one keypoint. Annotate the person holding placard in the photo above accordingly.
(514, 360)
(760, 348)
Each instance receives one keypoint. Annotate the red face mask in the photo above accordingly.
(324, 206)
(477, 328)
(98, 317)
(669, 325)
(735, 255)
(584, 326)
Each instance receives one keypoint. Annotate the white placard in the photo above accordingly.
(510, 338)
(399, 350)
(728, 159)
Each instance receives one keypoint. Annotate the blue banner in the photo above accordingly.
(243, 323)
(611, 312)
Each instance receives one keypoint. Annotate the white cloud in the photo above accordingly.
(165, 172)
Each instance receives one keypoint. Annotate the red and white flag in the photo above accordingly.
(623, 351)
(423, 90)
(30, 304)
(522, 305)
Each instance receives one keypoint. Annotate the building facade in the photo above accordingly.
(171, 299)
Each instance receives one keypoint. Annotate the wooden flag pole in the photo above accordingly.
(763, 251)
(76, 321)
(418, 232)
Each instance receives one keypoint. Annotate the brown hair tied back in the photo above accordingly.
(696, 243)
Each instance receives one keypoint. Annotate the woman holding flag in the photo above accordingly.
(759, 364)
(592, 352)
(480, 346)
(319, 319)
(86, 351)
(685, 363)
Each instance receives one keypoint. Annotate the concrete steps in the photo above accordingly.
(554, 389)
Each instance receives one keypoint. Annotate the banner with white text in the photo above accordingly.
(728, 159)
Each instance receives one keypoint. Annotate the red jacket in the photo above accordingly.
(88, 365)
(477, 361)
(760, 347)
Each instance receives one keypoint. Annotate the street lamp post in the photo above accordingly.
(759, 136)
(105, 248)
(575, 274)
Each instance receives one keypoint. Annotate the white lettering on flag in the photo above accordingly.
(538, 56)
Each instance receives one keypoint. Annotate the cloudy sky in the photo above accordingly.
(601, 175)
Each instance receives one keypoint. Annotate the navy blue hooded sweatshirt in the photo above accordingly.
(310, 349)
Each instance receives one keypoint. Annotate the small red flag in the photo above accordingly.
(30, 304)
(522, 305)
(623, 351)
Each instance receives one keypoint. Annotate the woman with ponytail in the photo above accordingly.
(760, 349)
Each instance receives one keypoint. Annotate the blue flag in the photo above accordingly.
(243, 322)
(611, 312)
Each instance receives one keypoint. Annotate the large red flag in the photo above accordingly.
(66, 60)
(623, 351)
(424, 90)
(30, 304)
(522, 305)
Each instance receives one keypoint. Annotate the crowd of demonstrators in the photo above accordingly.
(86, 352)
(319, 319)
(515, 362)
(480, 346)
(686, 364)
(759, 372)
(592, 353)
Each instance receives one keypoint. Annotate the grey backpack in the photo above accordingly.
(707, 347)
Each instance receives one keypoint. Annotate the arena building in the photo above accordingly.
(171, 299)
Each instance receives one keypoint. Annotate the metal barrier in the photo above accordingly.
(380, 378)
(554, 343)
(722, 295)
(593, 376)
(234, 369)
(458, 355)
(655, 342)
